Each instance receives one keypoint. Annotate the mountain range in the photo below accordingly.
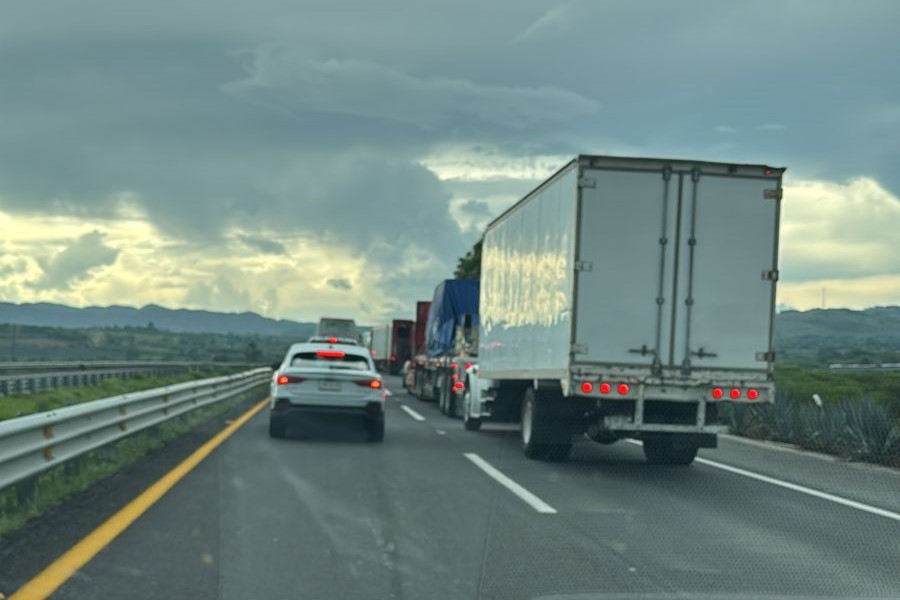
(180, 319)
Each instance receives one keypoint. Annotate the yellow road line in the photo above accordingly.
(57, 573)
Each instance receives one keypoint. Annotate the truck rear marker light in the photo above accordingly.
(752, 394)
(468, 365)
(717, 393)
(332, 340)
(623, 389)
(605, 388)
(458, 385)
(735, 393)
(453, 377)
(587, 387)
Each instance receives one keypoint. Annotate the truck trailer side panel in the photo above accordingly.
(527, 277)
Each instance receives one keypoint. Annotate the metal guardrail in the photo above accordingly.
(32, 444)
(27, 378)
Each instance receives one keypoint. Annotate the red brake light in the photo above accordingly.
(454, 366)
(717, 393)
(332, 340)
(605, 388)
(286, 379)
(453, 377)
(587, 387)
(752, 394)
(623, 389)
(735, 393)
(375, 384)
(468, 365)
(330, 354)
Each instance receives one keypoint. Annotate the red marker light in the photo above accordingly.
(623, 389)
(768, 171)
(282, 379)
(393, 358)
(286, 379)
(373, 352)
(458, 385)
(330, 354)
(605, 388)
(332, 340)
(752, 394)
(717, 393)
(454, 366)
(468, 365)
(735, 393)
(453, 377)
(587, 387)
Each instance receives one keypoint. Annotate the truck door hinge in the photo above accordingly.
(579, 349)
(772, 194)
(770, 275)
(765, 356)
(584, 265)
(587, 182)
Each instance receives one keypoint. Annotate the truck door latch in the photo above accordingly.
(643, 350)
(701, 353)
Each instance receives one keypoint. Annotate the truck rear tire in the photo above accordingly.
(664, 452)
(545, 435)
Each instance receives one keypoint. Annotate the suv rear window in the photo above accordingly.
(347, 361)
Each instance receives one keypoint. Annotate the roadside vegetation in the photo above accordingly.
(858, 419)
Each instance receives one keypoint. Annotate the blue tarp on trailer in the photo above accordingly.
(453, 299)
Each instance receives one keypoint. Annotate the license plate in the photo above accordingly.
(330, 386)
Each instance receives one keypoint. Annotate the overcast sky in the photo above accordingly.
(301, 158)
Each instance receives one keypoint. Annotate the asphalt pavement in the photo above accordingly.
(436, 512)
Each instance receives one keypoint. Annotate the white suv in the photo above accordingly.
(327, 378)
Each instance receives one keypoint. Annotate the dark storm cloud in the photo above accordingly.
(75, 261)
(296, 119)
(339, 283)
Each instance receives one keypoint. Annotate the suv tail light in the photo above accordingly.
(375, 384)
(286, 379)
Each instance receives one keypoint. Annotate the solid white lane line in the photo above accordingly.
(526, 496)
(797, 488)
(412, 413)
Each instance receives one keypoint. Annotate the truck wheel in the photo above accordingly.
(664, 452)
(276, 429)
(470, 423)
(547, 425)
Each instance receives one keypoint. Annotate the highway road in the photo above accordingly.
(425, 516)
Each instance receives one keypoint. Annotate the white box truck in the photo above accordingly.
(629, 298)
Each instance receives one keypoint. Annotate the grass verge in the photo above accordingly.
(17, 405)
(26, 500)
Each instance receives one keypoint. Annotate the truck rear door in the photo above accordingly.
(676, 266)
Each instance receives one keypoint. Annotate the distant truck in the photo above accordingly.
(391, 345)
(629, 298)
(419, 358)
(451, 344)
(332, 327)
